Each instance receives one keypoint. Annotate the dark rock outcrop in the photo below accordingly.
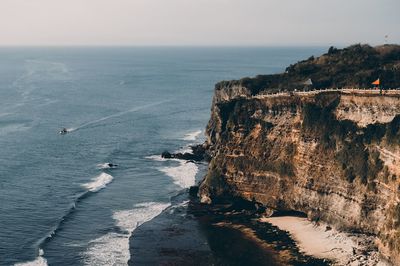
(199, 153)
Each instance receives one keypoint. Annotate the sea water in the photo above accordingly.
(60, 202)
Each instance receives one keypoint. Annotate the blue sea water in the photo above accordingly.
(59, 203)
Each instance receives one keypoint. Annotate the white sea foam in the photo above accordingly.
(105, 166)
(185, 149)
(183, 175)
(39, 261)
(98, 182)
(156, 158)
(192, 135)
(113, 248)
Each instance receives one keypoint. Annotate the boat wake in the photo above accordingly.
(113, 248)
(94, 122)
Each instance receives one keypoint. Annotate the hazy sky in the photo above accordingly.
(198, 22)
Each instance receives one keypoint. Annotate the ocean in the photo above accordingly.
(60, 203)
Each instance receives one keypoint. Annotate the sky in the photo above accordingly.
(198, 22)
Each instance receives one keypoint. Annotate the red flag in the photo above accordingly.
(376, 82)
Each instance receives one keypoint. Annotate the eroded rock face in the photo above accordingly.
(332, 155)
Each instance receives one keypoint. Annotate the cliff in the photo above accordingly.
(333, 155)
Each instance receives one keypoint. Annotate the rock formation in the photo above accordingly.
(333, 155)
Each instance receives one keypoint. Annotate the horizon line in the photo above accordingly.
(192, 45)
(339, 45)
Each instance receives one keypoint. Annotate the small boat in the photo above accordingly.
(63, 131)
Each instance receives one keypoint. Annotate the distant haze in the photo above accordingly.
(198, 22)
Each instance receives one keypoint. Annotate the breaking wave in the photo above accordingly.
(192, 135)
(183, 175)
(39, 261)
(99, 182)
(106, 166)
(113, 248)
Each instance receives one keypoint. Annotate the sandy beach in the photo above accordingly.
(321, 241)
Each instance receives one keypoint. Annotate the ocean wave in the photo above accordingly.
(113, 248)
(192, 135)
(106, 166)
(157, 158)
(39, 261)
(183, 175)
(186, 149)
(99, 182)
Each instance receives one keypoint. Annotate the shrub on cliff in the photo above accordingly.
(355, 66)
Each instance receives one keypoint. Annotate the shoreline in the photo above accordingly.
(234, 232)
(171, 238)
(191, 233)
(227, 233)
(322, 241)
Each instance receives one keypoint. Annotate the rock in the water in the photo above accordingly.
(198, 154)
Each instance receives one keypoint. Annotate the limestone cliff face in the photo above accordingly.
(334, 155)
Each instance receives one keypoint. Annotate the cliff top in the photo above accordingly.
(355, 66)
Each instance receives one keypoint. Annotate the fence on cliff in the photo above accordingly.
(368, 91)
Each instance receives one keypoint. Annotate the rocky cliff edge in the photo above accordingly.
(333, 155)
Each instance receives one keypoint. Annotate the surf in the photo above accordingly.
(39, 261)
(192, 135)
(182, 175)
(98, 182)
(113, 248)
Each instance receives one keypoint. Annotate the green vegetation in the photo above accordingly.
(357, 65)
